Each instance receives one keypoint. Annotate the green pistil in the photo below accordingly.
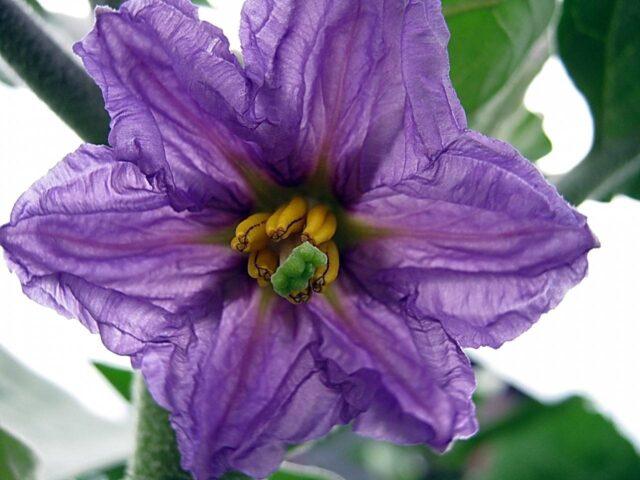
(295, 272)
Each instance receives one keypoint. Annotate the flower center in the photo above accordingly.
(291, 249)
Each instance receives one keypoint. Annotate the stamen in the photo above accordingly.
(326, 274)
(287, 220)
(251, 234)
(291, 279)
(262, 265)
(291, 249)
(321, 225)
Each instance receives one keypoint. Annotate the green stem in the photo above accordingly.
(156, 456)
(52, 73)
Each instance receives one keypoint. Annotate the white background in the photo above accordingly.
(587, 345)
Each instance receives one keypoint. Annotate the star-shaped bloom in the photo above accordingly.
(297, 240)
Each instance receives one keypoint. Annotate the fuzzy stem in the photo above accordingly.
(156, 456)
(52, 73)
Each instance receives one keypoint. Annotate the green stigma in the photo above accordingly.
(294, 273)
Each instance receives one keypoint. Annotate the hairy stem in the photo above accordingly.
(52, 73)
(156, 456)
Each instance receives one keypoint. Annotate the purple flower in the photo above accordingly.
(337, 159)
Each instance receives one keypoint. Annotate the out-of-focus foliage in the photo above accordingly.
(66, 437)
(35, 5)
(292, 471)
(119, 378)
(566, 441)
(116, 472)
(599, 43)
(17, 462)
(108, 3)
(496, 49)
(519, 438)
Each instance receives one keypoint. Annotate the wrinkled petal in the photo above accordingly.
(408, 379)
(176, 96)
(244, 387)
(361, 86)
(95, 241)
(478, 240)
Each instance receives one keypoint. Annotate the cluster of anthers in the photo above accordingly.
(291, 249)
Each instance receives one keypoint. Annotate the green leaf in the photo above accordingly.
(490, 39)
(523, 129)
(563, 441)
(115, 4)
(116, 472)
(52, 73)
(17, 461)
(599, 44)
(292, 471)
(119, 378)
(497, 47)
(66, 437)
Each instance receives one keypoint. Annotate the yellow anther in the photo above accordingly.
(262, 265)
(272, 222)
(288, 219)
(321, 225)
(251, 234)
(326, 274)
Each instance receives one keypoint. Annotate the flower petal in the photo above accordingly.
(408, 380)
(478, 240)
(95, 241)
(176, 96)
(244, 387)
(361, 85)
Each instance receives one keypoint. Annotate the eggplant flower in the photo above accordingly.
(301, 239)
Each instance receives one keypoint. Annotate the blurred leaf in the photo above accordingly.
(524, 130)
(35, 5)
(52, 73)
(17, 462)
(116, 472)
(202, 3)
(67, 438)
(600, 45)
(564, 441)
(119, 378)
(356, 457)
(496, 49)
(292, 471)
(109, 3)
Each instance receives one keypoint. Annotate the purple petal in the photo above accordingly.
(244, 387)
(478, 240)
(408, 380)
(95, 241)
(359, 85)
(177, 98)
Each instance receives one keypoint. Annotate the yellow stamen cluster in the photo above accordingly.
(269, 238)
